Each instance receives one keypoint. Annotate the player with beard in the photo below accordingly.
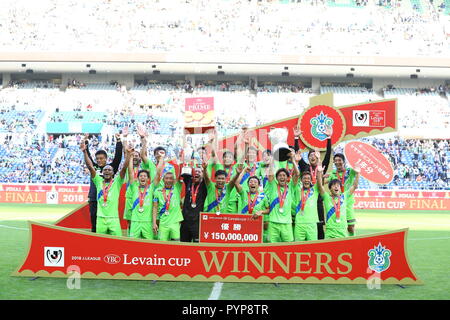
(101, 158)
(108, 190)
(140, 191)
(280, 195)
(335, 203)
(194, 202)
(312, 168)
(347, 177)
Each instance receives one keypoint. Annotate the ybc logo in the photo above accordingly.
(54, 256)
(319, 125)
(379, 258)
(111, 259)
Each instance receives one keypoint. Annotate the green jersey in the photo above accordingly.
(277, 214)
(218, 201)
(110, 207)
(258, 201)
(330, 204)
(170, 198)
(134, 190)
(348, 177)
(262, 173)
(309, 212)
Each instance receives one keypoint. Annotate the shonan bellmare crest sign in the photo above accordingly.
(348, 122)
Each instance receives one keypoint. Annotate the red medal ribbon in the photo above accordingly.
(337, 207)
(304, 197)
(106, 191)
(281, 197)
(194, 192)
(142, 196)
(252, 203)
(342, 178)
(135, 172)
(313, 174)
(167, 198)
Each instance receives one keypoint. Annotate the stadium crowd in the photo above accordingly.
(55, 159)
(383, 27)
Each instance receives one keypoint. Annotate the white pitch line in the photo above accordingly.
(441, 238)
(9, 227)
(215, 293)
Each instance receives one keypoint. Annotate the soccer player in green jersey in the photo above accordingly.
(251, 199)
(140, 192)
(167, 208)
(108, 190)
(335, 204)
(219, 192)
(305, 227)
(347, 177)
(280, 195)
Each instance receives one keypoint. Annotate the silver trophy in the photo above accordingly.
(280, 148)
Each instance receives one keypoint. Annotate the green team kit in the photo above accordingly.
(305, 214)
(141, 199)
(336, 215)
(347, 179)
(108, 205)
(168, 213)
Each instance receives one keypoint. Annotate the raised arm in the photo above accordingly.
(320, 179)
(326, 160)
(130, 172)
(206, 176)
(240, 171)
(356, 182)
(296, 172)
(233, 181)
(118, 153)
(159, 170)
(123, 171)
(86, 142)
(143, 135)
(270, 171)
(87, 159)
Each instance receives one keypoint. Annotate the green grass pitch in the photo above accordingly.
(428, 251)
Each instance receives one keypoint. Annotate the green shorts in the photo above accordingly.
(351, 220)
(169, 232)
(335, 233)
(142, 230)
(305, 231)
(109, 226)
(280, 232)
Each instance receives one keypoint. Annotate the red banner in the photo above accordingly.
(370, 118)
(199, 114)
(230, 228)
(374, 165)
(55, 251)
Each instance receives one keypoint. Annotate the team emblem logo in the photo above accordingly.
(319, 125)
(379, 258)
(53, 256)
